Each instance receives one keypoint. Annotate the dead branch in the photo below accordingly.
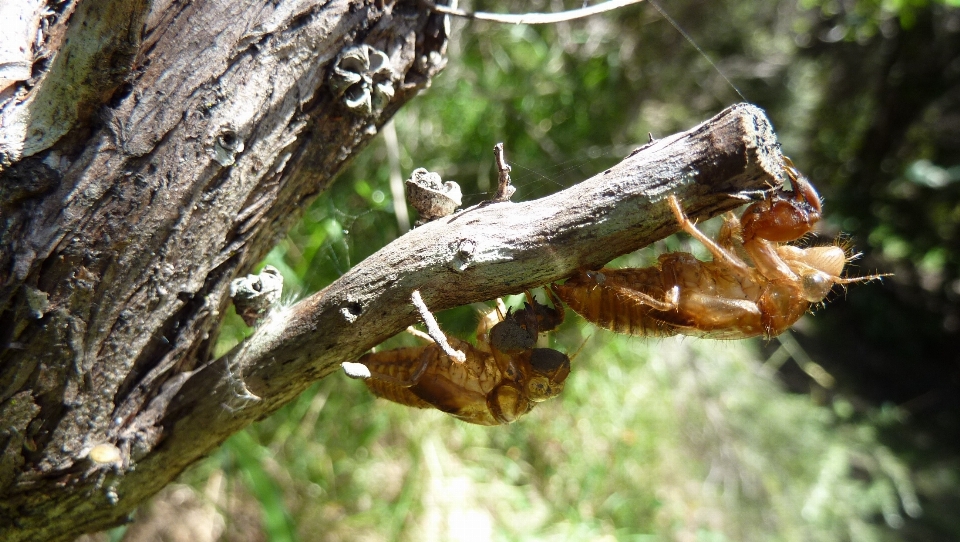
(477, 254)
(151, 152)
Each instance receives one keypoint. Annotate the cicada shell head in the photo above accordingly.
(819, 268)
(549, 370)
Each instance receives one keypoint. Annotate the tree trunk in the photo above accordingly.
(159, 150)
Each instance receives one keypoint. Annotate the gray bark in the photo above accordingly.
(163, 149)
(158, 151)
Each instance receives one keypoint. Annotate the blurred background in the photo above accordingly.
(845, 428)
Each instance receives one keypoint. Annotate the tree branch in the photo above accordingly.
(475, 255)
(197, 133)
(503, 248)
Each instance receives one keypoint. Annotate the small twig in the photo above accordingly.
(504, 189)
(531, 18)
(419, 334)
(433, 329)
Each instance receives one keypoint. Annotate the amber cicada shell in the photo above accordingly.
(755, 285)
(502, 378)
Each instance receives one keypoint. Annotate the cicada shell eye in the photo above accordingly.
(815, 285)
(819, 269)
(539, 389)
(551, 368)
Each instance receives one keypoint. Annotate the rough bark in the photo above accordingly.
(199, 131)
(158, 150)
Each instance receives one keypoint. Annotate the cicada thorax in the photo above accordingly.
(779, 221)
(536, 318)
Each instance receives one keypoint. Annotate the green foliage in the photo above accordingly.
(862, 19)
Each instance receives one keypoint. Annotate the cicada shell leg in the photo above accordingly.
(719, 253)
(670, 300)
